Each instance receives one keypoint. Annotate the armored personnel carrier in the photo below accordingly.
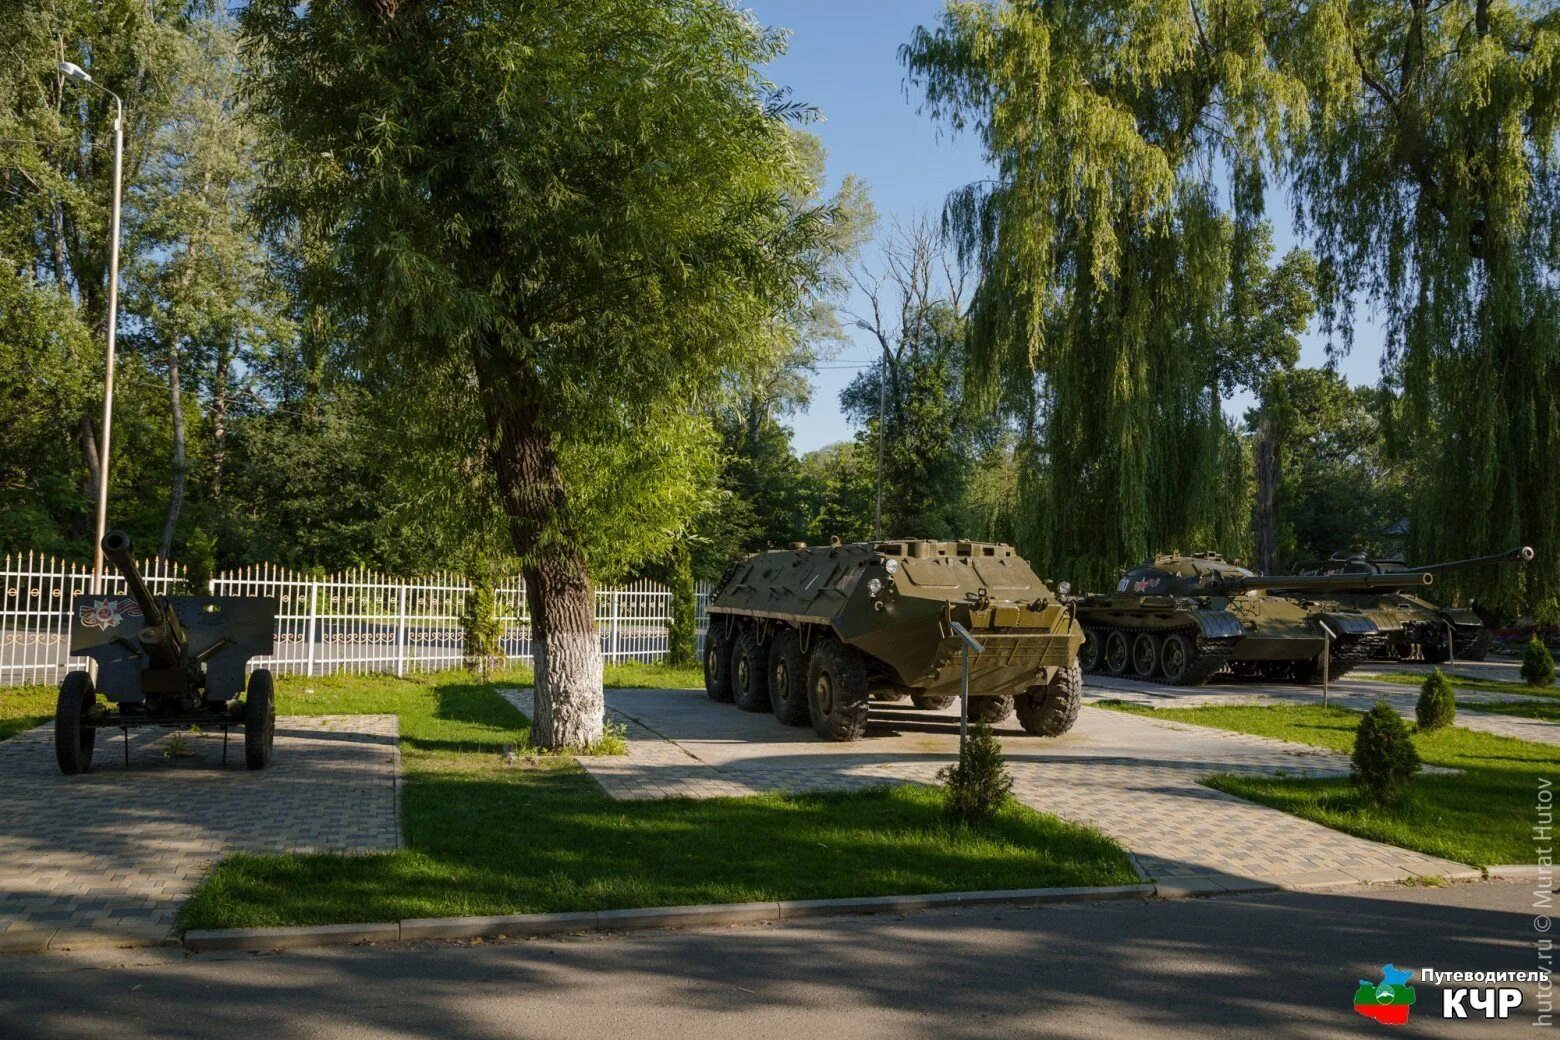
(1180, 619)
(815, 634)
(1413, 626)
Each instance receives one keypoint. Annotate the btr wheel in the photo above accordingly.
(788, 679)
(927, 702)
(750, 672)
(74, 733)
(1145, 655)
(1117, 654)
(1050, 711)
(837, 697)
(259, 719)
(990, 710)
(1175, 658)
(1089, 654)
(717, 662)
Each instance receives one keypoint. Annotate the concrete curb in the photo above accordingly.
(522, 925)
(1520, 872)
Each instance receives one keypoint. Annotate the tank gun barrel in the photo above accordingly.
(1521, 554)
(1330, 582)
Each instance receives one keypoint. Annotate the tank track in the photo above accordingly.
(1348, 654)
(1211, 657)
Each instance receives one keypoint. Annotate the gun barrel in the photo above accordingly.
(1335, 582)
(116, 549)
(1521, 554)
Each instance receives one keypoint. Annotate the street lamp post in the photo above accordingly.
(77, 73)
(877, 521)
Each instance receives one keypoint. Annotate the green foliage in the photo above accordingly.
(1425, 171)
(1437, 704)
(200, 561)
(978, 785)
(682, 634)
(1384, 760)
(1538, 664)
(1337, 489)
(1119, 301)
(482, 628)
(556, 242)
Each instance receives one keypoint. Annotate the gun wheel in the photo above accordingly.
(74, 733)
(259, 719)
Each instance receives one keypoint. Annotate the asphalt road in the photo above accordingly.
(1273, 966)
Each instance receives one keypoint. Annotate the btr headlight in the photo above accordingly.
(874, 587)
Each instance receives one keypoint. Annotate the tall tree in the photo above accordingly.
(1106, 253)
(1427, 173)
(570, 219)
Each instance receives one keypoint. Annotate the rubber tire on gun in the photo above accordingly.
(1050, 711)
(837, 698)
(259, 719)
(73, 733)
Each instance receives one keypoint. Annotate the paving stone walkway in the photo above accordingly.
(1133, 778)
(109, 856)
(1357, 693)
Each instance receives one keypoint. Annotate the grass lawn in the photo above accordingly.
(1482, 816)
(1416, 680)
(488, 838)
(1548, 711)
(23, 707)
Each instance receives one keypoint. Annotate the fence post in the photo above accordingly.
(617, 610)
(400, 634)
(309, 628)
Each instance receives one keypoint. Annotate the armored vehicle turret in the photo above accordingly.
(813, 634)
(1180, 619)
(169, 661)
(1412, 626)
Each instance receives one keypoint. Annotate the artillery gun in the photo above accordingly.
(815, 634)
(1181, 619)
(1409, 623)
(169, 661)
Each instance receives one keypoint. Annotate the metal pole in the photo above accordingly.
(1451, 649)
(877, 522)
(964, 706)
(1327, 638)
(108, 362)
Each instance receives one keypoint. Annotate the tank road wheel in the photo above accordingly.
(73, 732)
(1089, 654)
(750, 672)
(837, 696)
(1050, 711)
(931, 702)
(717, 662)
(1275, 670)
(788, 679)
(1145, 655)
(1117, 653)
(990, 710)
(1175, 658)
(259, 719)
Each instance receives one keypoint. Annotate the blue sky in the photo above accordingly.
(843, 59)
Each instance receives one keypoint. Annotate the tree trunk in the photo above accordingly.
(219, 409)
(682, 634)
(89, 452)
(570, 706)
(1264, 519)
(180, 466)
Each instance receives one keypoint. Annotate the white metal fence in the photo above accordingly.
(355, 621)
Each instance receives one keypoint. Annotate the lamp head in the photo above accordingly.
(74, 71)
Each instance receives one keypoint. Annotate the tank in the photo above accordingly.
(814, 634)
(1410, 625)
(1182, 619)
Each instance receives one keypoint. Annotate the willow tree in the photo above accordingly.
(569, 218)
(1427, 175)
(1110, 258)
